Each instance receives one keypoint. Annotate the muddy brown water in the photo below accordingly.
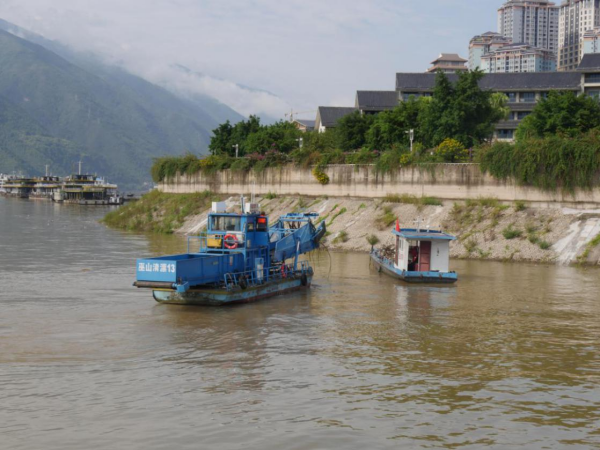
(509, 358)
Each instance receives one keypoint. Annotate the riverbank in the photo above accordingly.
(487, 229)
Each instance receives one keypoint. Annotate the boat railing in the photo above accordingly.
(383, 259)
(259, 276)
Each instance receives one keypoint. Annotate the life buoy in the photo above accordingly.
(230, 241)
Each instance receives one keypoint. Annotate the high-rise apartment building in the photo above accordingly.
(518, 58)
(576, 17)
(533, 22)
(483, 44)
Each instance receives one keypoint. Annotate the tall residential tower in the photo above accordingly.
(576, 17)
(533, 22)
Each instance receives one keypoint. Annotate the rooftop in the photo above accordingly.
(366, 100)
(590, 61)
(424, 235)
(496, 81)
(448, 57)
(331, 114)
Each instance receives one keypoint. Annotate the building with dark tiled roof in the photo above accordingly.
(372, 102)
(328, 116)
(523, 90)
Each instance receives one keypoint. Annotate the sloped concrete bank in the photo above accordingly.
(487, 228)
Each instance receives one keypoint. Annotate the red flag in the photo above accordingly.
(398, 225)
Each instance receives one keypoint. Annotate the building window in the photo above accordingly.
(506, 134)
(592, 77)
(512, 97)
(522, 114)
(527, 97)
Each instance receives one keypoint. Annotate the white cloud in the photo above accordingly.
(308, 52)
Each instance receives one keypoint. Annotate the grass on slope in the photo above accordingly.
(158, 212)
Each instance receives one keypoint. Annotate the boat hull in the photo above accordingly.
(221, 297)
(414, 277)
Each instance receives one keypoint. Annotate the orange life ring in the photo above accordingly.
(230, 241)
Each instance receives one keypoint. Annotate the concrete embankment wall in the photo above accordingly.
(443, 181)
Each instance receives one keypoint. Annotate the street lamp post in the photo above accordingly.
(237, 149)
(300, 142)
(411, 135)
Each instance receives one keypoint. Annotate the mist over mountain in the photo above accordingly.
(58, 106)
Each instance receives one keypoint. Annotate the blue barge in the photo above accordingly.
(240, 258)
(420, 256)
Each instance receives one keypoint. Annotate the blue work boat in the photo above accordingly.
(417, 256)
(240, 259)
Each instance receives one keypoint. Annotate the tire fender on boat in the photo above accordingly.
(243, 283)
(304, 279)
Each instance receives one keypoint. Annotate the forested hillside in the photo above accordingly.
(54, 112)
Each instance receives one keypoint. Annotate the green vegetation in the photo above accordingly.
(557, 146)
(270, 195)
(372, 240)
(386, 219)
(561, 114)
(548, 163)
(520, 206)
(158, 212)
(339, 213)
(591, 245)
(412, 200)
(510, 233)
(459, 116)
(341, 237)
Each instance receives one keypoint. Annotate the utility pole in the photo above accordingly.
(411, 135)
(237, 149)
(47, 169)
(300, 142)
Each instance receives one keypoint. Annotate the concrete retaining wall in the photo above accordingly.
(443, 181)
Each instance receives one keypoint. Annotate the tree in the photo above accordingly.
(219, 142)
(390, 128)
(561, 113)
(462, 111)
(352, 129)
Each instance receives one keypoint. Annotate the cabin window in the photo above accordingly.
(261, 224)
(250, 227)
(223, 223)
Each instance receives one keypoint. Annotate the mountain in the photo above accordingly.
(116, 121)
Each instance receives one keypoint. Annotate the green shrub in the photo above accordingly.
(451, 150)
(341, 237)
(339, 213)
(511, 233)
(520, 206)
(270, 195)
(372, 240)
(544, 245)
(550, 163)
(320, 176)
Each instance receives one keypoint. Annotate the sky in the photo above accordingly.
(263, 56)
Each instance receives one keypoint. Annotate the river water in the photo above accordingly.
(509, 358)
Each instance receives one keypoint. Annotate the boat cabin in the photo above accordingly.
(422, 250)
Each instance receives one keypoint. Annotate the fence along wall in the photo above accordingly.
(443, 181)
